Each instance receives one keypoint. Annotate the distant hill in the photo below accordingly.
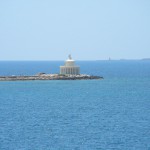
(146, 59)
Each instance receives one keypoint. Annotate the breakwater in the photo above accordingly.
(49, 77)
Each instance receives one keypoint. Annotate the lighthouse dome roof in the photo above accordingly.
(70, 61)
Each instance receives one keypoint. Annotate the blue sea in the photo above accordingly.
(108, 114)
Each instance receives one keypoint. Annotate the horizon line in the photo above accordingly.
(125, 59)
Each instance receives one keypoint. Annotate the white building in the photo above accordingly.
(70, 67)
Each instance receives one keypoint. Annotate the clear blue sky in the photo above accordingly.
(87, 29)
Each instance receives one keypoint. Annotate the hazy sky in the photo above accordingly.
(87, 29)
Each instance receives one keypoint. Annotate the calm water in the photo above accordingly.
(109, 114)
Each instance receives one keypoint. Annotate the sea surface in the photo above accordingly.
(108, 114)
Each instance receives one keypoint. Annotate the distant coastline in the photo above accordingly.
(124, 59)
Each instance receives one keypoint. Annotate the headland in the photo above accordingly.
(67, 72)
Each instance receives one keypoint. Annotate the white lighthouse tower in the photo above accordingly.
(70, 67)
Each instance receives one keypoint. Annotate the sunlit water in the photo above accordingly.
(113, 113)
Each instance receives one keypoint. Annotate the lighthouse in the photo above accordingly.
(70, 68)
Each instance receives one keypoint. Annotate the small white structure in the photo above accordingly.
(70, 67)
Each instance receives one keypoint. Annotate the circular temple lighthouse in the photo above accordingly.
(70, 67)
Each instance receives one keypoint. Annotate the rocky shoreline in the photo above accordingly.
(44, 76)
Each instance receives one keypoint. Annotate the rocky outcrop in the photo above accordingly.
(44, 76)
